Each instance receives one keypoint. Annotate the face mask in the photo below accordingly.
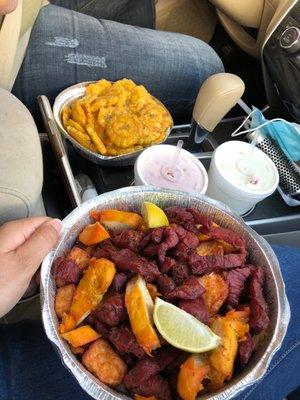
(284, 133)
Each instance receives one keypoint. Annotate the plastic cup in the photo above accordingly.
(155, 167)
(228, 185)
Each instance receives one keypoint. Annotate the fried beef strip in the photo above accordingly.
(112, 311)
(130, 239)
(188, 218)
(200, 219)
(167, 265)
(150, 250)
(181, 252)
(170, 241)
(125, 342)
(127, 260)
(180, 272)
(207, 264)
(104, 249)
(235, 280)
(246, 349)
(119, 282)
(65, 272)
(143, 379)
(188, 238)
(196, 308)
(259, 318)
(191, 289)
(157, 235)
(226, 235)
(165, 284)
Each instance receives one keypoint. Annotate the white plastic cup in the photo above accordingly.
(224, 189)
(155, 156)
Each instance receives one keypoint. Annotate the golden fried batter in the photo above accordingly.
(116, 118)
(124, 130)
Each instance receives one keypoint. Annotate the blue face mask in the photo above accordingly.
(284, 133)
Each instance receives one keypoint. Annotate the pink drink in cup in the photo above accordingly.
(163, 166)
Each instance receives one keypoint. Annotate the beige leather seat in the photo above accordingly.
(21, 164)
(236, 15)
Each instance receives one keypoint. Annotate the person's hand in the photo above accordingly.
(23, 245)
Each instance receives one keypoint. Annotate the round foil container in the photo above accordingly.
(260, 253)
(65, 98)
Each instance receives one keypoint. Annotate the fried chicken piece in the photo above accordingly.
(63, 300)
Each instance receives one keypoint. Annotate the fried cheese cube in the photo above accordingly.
(93, 234)
(191, 375)
(89, 292)
(63, 300)
(102, 361)
(139, 305)
(216, 292)
(80, 336)
(79, 256)
(117, 221)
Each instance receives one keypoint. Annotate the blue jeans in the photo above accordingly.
(67, 46)
(30, 369)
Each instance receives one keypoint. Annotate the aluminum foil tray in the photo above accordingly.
(131, 199)
(64, 99)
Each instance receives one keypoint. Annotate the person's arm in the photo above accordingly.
(23, 245)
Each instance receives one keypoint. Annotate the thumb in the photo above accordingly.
(31, 253)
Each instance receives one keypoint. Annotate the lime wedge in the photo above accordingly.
(182, 330)
(153, 215)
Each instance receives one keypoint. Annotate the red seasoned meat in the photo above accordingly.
(125, 342)
(145, 240)
(227, 235)
(181, 252)
(130, 239)
(168, 356)
(259, 318)
(157, 235)
(141, 372)
(165, 284)
(104, 249)
(207, 264)
(102, 328)
(119, 282)
(200, 219)
(180, 272)
(235, 280)
(112, 311)
(65, 272)
(150, 250)
(196, 308)
(167, 265)
(178, 215)
(156, 386)
(188, 238)
(246, 349)
(170, 241)
(129, 261)
(191, 289)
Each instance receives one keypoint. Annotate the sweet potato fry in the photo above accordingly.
(138, 397)
(89, 292)
(77, 350)
(102, 361)
(209, 248)
(190, 377)
(222, 358)
(81, 336)
(117, 221)
(93, 233)
(79, 256)
(63, 300)
(216, 292)
(140, 309)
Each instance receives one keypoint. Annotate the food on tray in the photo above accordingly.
(165, 305)
(116, 118)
